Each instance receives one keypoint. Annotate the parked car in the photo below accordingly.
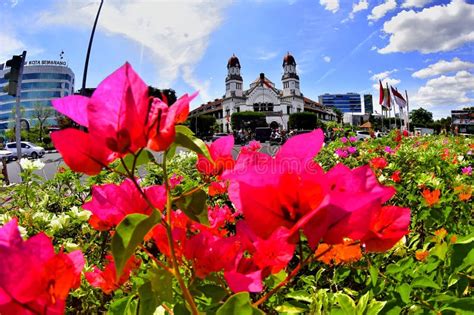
(362, 134)
(5, 154)
(218, 135)
(28, 149)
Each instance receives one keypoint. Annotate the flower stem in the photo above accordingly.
(290, 276)
(186, 293)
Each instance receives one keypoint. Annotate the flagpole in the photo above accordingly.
(408, 112)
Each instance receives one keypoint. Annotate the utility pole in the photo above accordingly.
(86, 64)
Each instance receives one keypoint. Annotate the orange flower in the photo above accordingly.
(421, 255)
(431, 197)
(441, 233)
(453, 239)
(464, 196)
(347, 252)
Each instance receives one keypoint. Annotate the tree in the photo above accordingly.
(339, 114)
(249, 119)
(421, 118)
(167, 95)
(41, 113)
(202, 125)
(303, 121)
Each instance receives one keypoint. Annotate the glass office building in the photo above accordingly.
(346, 103)
(42, 82)
(368, 104)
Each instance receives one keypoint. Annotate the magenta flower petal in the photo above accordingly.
(74, 107)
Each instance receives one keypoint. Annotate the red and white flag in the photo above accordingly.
(384, 98)
(398, 98)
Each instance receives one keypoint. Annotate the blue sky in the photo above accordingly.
(423, 46)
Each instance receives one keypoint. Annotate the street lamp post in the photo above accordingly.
(86, 64)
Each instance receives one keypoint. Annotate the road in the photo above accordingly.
(53, 160)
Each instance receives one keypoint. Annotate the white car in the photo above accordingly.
(5, 154)
(362, 134)
(28, 149)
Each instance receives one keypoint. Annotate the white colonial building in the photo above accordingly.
(262, 96)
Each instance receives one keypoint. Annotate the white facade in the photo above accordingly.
(263, 95)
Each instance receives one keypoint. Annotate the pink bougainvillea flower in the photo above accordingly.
(278, 191)
(253, 146)
(467, 170)
(389, 150)
(341, 152)
(161, 121)
(114, 115)
(210, 253)
(378, 163)
(180, 226)
(353, 139)
(110, 203)
(106, 279)
(221, 153)
(119, 120)
(33, 278)
(352, 197)
(245, 277)
(219, 216)
(344, 140)
(175, 180)
(387, 226)
(352, 150)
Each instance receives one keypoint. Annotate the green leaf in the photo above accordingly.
(288, 308)
(161, 284)
(461, 305)
(362, 304)
(194, 205)
(375, 307)
(346, 303)
(374, 272)
(148, 300)
(180, 309)
(119, 307)
(238, 304)
(462, 256)
(300, 295)
(185, 138)
(129, 234)
(215, 292)
(424, 282)
(144, 157)
(404, 290)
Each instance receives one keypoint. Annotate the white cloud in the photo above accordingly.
(266, 55)
(356, 7)
(379, 11)
(330, 5)
(441, 67)
(327, 59)
(14, 46)
(373, 48)
(446, 90)
(434, 29)
(385, 78)
(176, 33)
(383, 75)
(415, 3)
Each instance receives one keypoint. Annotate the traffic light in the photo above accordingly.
(15, 64)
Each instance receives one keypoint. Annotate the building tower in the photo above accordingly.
(290, 79)
(233, 81)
